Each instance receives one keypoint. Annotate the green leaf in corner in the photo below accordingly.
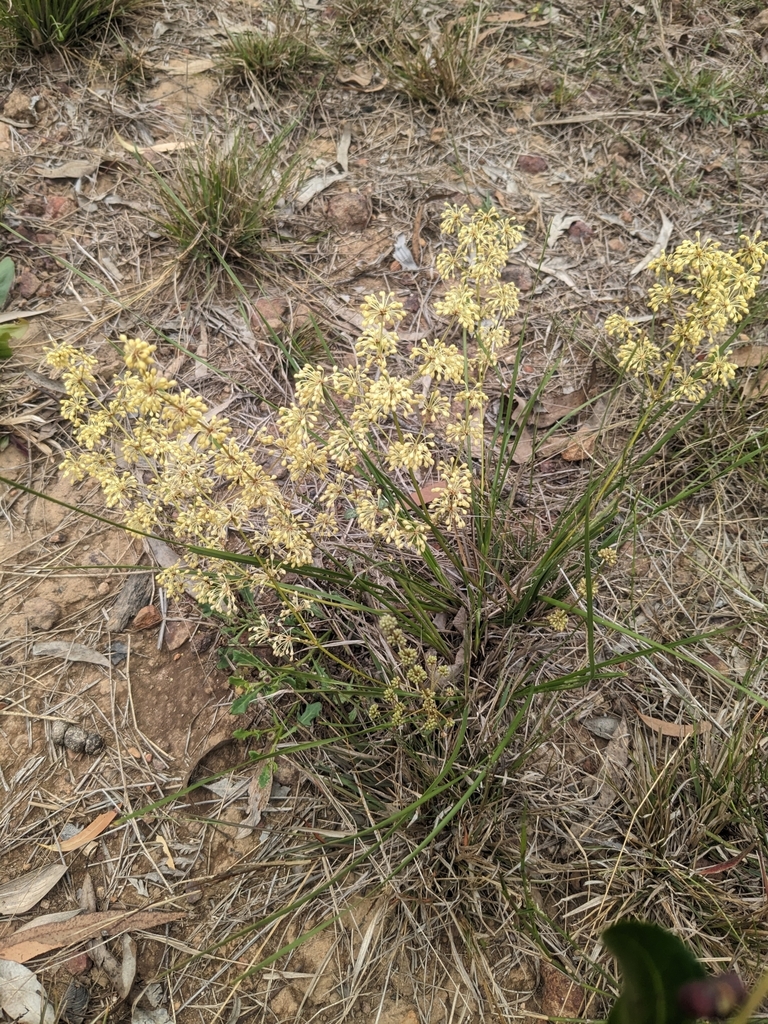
(654, 964)
(8, 331)
(7, 274)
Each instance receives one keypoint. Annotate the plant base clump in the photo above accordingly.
(45, 24)
(221, 204)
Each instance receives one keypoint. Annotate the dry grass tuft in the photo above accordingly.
(221, 203)
(447, 65)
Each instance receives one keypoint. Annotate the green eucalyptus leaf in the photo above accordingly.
(7, 274)
(654, 964)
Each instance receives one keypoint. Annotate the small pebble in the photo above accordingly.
(42, 614)
(532, 163)
(103, 588)
(78, 964)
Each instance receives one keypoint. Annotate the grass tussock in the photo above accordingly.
(219, 206)
(464, 646)
(278, 57)
(447, 66)
(46, 24)
(422, 647)
(705, 93)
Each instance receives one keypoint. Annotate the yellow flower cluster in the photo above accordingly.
(700, 294)
(412, 695)
(398, 414)
(172, 467)
(558, 619)
(360, 441)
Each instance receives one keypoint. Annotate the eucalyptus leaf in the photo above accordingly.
(654, 964)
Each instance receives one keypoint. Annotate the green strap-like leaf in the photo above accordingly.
(7, 274)
(654, 964)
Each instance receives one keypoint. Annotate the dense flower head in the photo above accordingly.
(701, 293)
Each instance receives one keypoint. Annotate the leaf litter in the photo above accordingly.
(35, 939)
(19, 895)
(22, 997)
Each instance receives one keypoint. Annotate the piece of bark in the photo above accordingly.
(135, 594)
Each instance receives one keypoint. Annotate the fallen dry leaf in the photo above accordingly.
(21, 894)
(314, 186)
(128, 967)
(581, 446)
(676, 729)
(716, 663)
(27, 943)
(62, 915)
(22, 997)
(342, 149)
(603, 726)
(523, 451)
(429, 491)
(572, 447)
(755, 386)
(360, 77)
(657, 248)
(560, 223)
(259, 792)
(88, 833)
(578, 446)
(556, 407)
(615, 759)
(726, 865)
(70, 652)
(71, 169)
(749, 355)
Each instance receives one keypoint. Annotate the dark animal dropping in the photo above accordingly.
(64, 734)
